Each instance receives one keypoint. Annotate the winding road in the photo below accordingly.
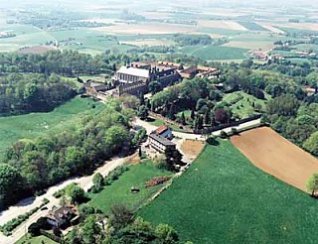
(26, 205)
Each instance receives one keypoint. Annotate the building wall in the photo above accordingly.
(132, 88)
(156, 145)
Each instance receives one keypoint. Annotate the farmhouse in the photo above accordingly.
(199, 71)
(164, 131)
(94, 88)
(160, 143)
(61, 216)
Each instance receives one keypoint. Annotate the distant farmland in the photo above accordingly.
(215, 52)
(223, 198)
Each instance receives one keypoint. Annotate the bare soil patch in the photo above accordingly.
(277, 156)
(36, 49)
(221, 24)
(134, 159)
(192, 148)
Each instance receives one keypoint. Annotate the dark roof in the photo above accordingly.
(161, 140)
(61, 213)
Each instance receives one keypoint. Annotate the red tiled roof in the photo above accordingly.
(161, 129)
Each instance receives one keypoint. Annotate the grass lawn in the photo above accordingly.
(241, 103)
(223, 198)
(119, 191)
(215, 52)
(35, 240)
(29, 126)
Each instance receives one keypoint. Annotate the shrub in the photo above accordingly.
(157, 181)
(223, 134)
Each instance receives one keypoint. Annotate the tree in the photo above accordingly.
(221, 116)
(207, 118)
(139, 152)
(75, 193)
(198, 123)
(166, 234)
(142, 112)
(115, 137)
(11, 185)
(173, 158)
(90, 230)
(192, 114)
(120, 216)
(98, 181)
(312, 185)
(182, 119)
(311, 144)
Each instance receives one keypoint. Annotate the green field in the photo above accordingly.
(252, 26)
(223, 198)
(35, 240)
(215, 52)
(119, 191)
(241, 104)
(32, 125)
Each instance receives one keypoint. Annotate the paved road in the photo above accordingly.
(85, 182)
(188, 136)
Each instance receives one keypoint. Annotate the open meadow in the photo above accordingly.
(277, 156)
(119, 192)
(224, 198)
(32, 125)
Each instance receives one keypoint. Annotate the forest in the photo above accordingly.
(32, 165)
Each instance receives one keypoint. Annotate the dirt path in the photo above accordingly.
(277, 156)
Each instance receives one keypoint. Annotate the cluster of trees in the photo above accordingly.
(191, 40)
(33, 93)
(295, 119)
(123, 227)
(33, 165)
(198, 95)
(68, 63)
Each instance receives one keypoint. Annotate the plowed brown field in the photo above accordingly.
(275, 155)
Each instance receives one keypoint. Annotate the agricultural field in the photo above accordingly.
(119, 192)
(252, 26)
(214, 201)
(285, 161)
(191, 148)
(209, 53)
(33, 125)
(242, 104)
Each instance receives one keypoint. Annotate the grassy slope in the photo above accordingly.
(223, 198)
(35, 240)
(32, 125)
(119, 191)
(241, 103)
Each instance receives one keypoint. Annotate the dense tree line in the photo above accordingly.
(69, 63)
(296, 120)
(123, 227)
(33, 93)
(190, 40)
(47, 160)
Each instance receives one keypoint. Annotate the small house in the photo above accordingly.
(62, 216)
